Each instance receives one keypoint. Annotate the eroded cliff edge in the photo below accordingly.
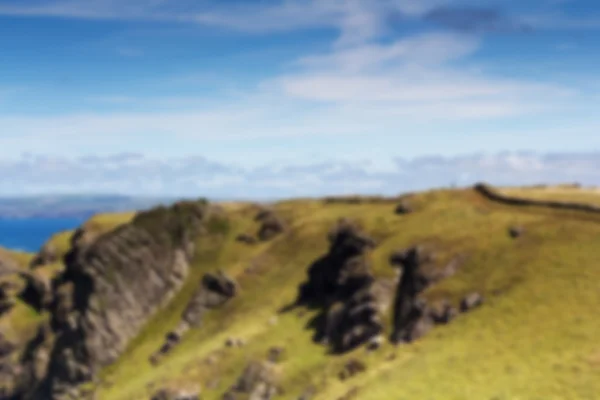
(111, 286)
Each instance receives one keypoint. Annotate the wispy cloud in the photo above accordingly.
(198, 176)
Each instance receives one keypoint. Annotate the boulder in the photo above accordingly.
(214, 291)
(271, 226)
(443, 312)
(351, 368)
(275, 354)
(245, 238)
(403, 208)
(516, 231)
(258, 381)
(471, 301)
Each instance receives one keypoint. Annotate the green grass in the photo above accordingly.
(535, 337)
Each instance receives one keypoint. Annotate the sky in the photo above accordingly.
(281, 98)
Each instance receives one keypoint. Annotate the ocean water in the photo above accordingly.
(29, 234)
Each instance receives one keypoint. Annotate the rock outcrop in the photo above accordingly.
(413, 316)
(111, 286)
(342, 285)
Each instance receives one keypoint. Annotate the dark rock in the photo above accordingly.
(275, 354)
(471, 301)
(342, 285)
(516, 231)
(263, 214)
(403, 208)
(214, 291)
(352, 368)
(374, 343)
(245, 238)
(271, 226)
(6, 347)
(411, 319)
(443, 312)
(37, 292)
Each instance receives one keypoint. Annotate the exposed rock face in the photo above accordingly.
(411, 317)
(111, 286)
(342, 285)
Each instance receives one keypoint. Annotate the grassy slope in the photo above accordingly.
(534, 339)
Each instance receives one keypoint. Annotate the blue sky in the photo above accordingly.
(243, 98)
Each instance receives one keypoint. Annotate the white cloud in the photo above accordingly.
(197, 176)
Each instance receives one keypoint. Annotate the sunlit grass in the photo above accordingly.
(533, 339)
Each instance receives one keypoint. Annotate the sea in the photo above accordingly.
(30, 234)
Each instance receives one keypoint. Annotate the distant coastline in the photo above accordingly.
(75, 207)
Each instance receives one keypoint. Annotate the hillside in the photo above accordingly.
(221, 291)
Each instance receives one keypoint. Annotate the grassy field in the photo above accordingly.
(535, 337)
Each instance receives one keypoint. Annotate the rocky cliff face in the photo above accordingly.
(110, 288)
